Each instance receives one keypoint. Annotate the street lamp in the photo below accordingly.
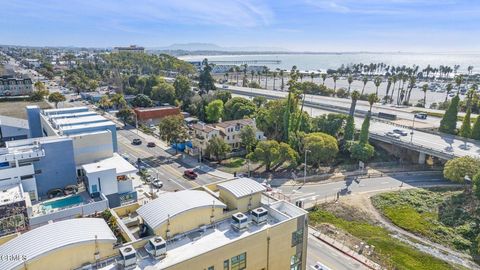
(305, 167)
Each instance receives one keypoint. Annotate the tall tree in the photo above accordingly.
(218, 148)
(425, 89)
(377, 81)
(466, 128)
(476, 129)
(205, 79)
(448, 124)
(324, 77)
(248, 137)
(334, 78)
(365, 81)
(321, 146)
(173, 130)
(350, 81)
(183, 90)
(214, 110)
(355, 96)
(56, 97)
(449, 88)
(266, 152)
(125, 114)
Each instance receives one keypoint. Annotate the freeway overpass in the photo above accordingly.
(442, 146)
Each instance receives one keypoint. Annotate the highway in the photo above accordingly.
(320, 192)
(443, 146)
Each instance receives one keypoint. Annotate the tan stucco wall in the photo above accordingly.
(189, 220)
(240, 204)
(71, 257)
(280, 251)
(8, 237)
(124, 210)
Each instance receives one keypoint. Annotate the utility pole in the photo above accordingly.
(305, 167)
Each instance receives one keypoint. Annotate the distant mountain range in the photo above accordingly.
(213, 47)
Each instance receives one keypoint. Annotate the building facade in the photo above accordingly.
(155, 114)
(10, 86)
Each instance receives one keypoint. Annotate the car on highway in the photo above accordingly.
(421, 115)
(157, 183)
(392, 135)
(150, 144)
(400, 132)
(136, 141)
(319, 266)
(190, 174)
(225, 86)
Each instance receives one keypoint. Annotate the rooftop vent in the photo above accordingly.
(239, 222)
(259, 215)
(128, 257)
(157, 247)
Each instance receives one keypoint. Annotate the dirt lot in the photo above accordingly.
(17, 108)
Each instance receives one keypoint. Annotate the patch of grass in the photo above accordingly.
(234, 162)
(392, 253)
(444, 216)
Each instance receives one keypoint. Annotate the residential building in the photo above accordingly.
(229, 131)
(111, 177)
(12, 128)
(94, 136)
(154, 115)
(207, 228)
(68, 244)
(14, 208)
(131, 48)
(11, 86)
(38, 164)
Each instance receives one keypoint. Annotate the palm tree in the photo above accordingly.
(387, 90)
(350, 81)
(281, 73)
(266, 71)
(424, 89)
(458, 82)
(324, 77)
(365, 81)
(259, 73)
(411, 84)
(312, 75)
(355, 96)
(335, 78)
(252, 72)
(449, 89)
(394, 80)
(372, 98)
(377, 81)
(237, 70)
(274, 75)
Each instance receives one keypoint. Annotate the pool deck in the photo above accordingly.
(38, 208)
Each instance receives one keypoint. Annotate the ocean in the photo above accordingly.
(324, 61)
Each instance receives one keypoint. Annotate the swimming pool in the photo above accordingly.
(61, 203)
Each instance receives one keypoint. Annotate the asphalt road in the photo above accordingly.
(328, 256)
(311, 193)
(169, 169)
(443, 143)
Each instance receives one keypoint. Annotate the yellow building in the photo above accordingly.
(67, 244)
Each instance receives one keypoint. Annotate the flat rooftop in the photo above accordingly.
(11, 193)
(79, 120)
(65, 110)
(116, 162)
(150, 109)
(72, 115)
(80, 127)
(194, 243)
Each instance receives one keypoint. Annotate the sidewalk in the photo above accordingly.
(342, 248)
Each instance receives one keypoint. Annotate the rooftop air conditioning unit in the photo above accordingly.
(259, 215)
(157, 247)
(128, 257)
(239, 222)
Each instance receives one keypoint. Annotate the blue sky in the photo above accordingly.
(301, 25)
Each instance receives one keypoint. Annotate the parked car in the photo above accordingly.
(55, 192)
(400, 132)
(225, 86)
(70, 189)
(421, 115)
(157, 183)
(319, 266)
(136, 141)
(190, 174)
(150, 144)
(392, 135)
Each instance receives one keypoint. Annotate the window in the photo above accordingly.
(239, 262)
(296, 261)
(297, 237)
(226, 265)
(211, 268)
(228, 137)
(233, 137)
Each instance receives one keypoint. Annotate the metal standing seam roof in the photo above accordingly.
(242, 187)
(170, 204)
(50, 237)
